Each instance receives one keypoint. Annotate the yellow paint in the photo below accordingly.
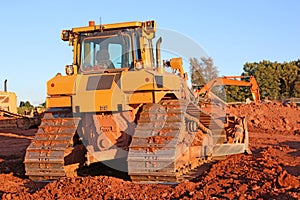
(61, 85)
(8, 101)
(97, 100)
(137, 80)
(60, 101)
(108, 26)
(140, 97)
(120, 25)
(176, 64)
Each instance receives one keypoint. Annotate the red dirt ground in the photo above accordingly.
(271, 172)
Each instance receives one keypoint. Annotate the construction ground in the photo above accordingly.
(272, 171)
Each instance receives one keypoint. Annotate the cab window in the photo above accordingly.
(106, 52)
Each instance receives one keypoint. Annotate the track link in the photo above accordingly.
(50, 154)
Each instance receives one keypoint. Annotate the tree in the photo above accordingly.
(204, 71)
(210, 71)
(196, 72)
(267, 77)
(288, 75)
(237, 93)
(22, 104)
(275, 80)
(25, 107)
(296, 87)
(43, 104)
(28, 104)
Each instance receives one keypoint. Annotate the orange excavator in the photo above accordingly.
(230, 80)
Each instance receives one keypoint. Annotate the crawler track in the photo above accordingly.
(171, 142)
(163, 149)
(51, 153)
(14, 120)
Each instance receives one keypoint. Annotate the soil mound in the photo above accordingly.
(269, 116)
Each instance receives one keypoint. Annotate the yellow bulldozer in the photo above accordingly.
(8, 100)
(9, 117)
(119, 101)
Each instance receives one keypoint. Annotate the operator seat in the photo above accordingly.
(102, 58)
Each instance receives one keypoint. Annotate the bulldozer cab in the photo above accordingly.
(111, 47)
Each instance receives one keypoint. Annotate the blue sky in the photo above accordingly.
(231, 32)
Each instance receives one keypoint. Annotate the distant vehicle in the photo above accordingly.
(9, 112)
(8, 100)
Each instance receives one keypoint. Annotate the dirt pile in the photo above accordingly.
(252, 177)
(270, 116)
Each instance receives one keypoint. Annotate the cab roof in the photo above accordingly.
(92, 27)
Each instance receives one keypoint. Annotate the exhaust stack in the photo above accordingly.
(5, 85)
(158, 56)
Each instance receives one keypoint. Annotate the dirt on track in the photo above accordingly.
(271, 172)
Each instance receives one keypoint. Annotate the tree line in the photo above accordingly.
(276, 80)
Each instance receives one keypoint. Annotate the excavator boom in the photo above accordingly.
(231, 80)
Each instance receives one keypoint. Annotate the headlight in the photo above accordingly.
(150, 26)
(139, 65)
(65, 35)
(69, 70)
